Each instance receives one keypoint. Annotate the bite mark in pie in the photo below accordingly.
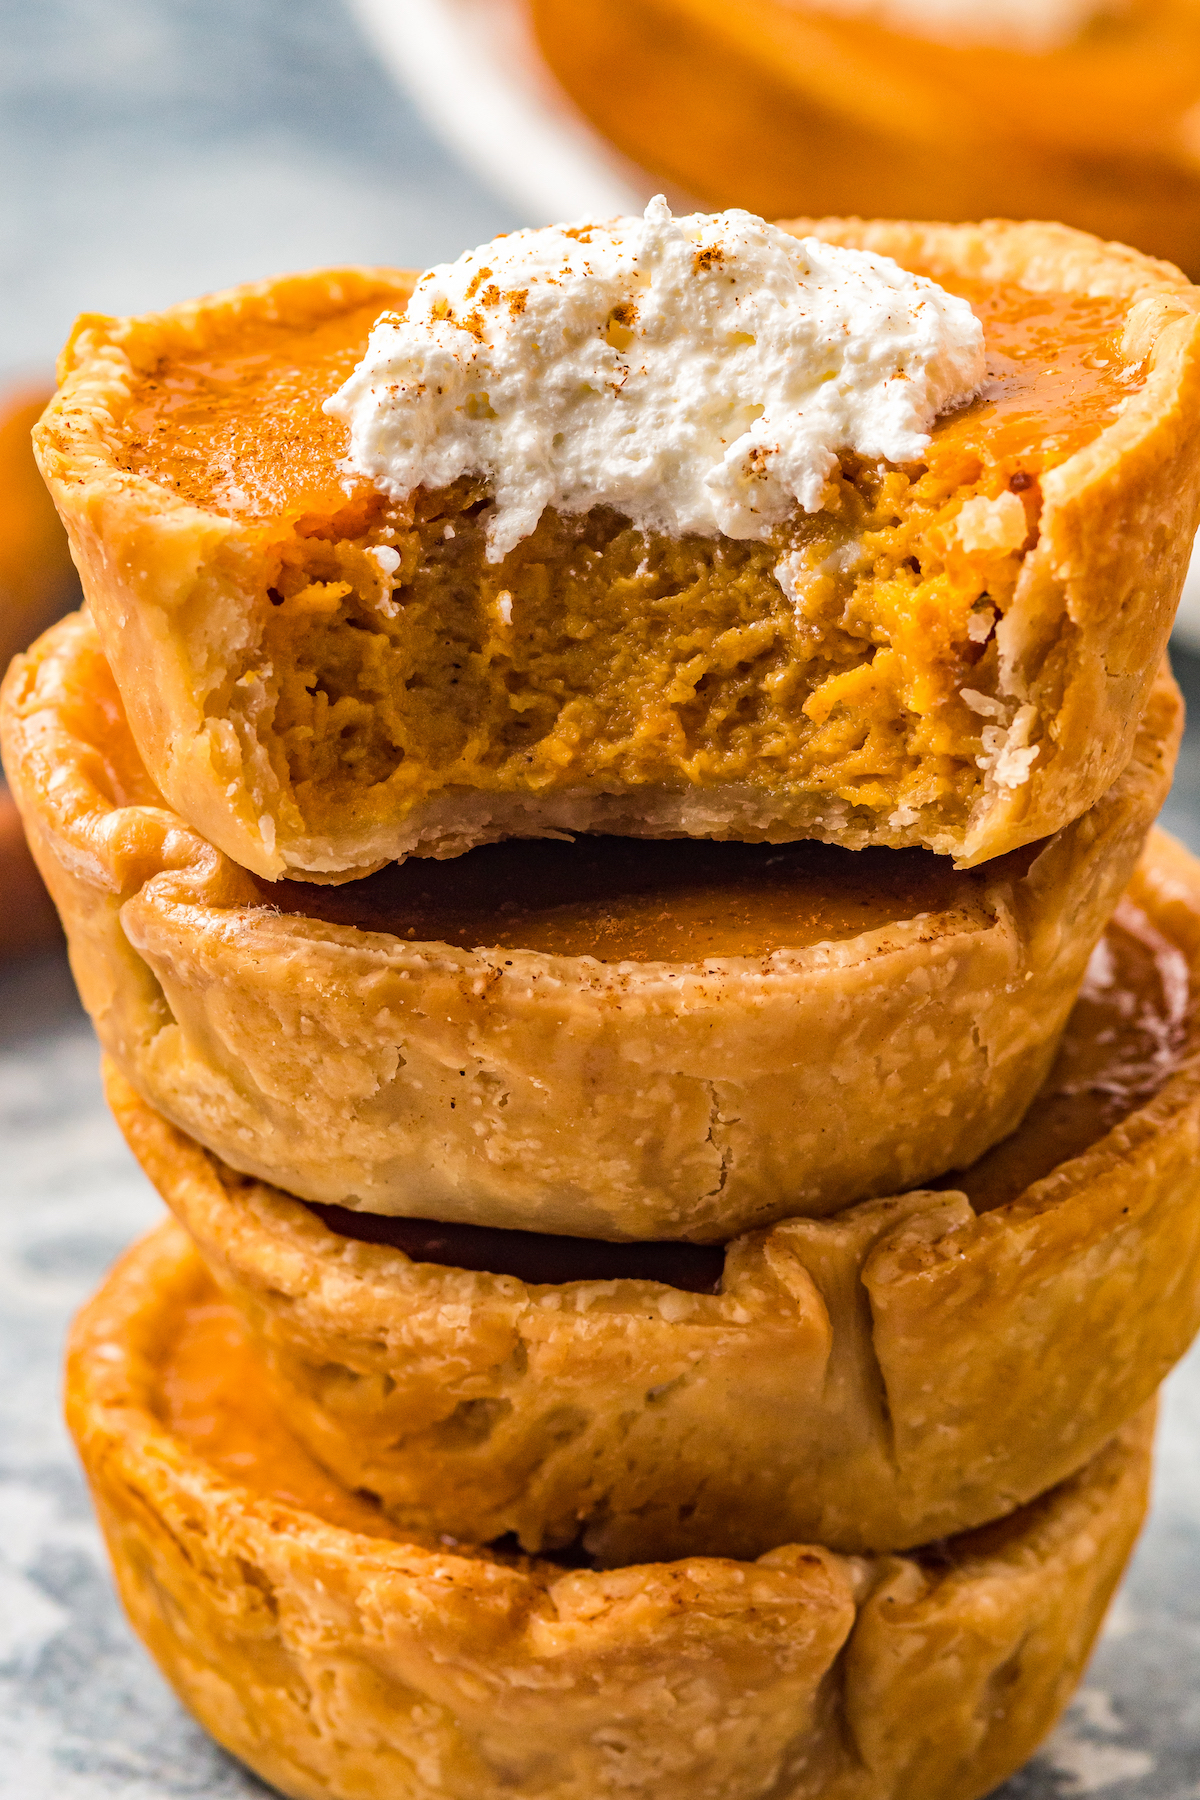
(952, 653)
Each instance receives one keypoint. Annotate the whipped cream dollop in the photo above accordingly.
(1036, 25)
(698, 374)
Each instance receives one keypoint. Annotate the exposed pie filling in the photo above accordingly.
(851, 655)
(1123, 1039)
(653, 900)
(533, 1256)
(696, 375)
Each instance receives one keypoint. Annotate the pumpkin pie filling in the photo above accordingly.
(602, 658)
(669, 900)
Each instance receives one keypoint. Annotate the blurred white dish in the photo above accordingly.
(472, 69)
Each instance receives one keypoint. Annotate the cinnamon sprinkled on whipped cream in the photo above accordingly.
(698, 374)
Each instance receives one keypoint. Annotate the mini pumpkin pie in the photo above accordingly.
(344, 1660)
(1064, 109)
(657, 1040)
(905, 1370)
(328, 669)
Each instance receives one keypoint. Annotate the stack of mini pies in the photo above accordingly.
(647, 1315)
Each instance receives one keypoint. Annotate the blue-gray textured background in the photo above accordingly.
(150, 150)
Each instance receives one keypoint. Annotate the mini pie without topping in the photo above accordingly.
(890, 1019)
(905, 1370)
(960, 661)
(344, 1662)
(805, 111)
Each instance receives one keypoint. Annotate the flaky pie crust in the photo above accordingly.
(513, 1088)
(899, 1372)
(342, 1666)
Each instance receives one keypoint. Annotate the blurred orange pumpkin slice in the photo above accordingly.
(37, 584)
(786, 109)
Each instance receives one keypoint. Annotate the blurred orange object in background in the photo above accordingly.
(37, 578)
(28, 920)
(789, 109)
(37, 585)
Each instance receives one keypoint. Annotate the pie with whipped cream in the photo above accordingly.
(876, 610)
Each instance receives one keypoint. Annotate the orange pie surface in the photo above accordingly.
(240, 428)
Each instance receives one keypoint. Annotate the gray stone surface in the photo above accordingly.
(151, 149)
(154, 149)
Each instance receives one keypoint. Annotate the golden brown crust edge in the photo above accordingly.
(1079, 647)
(1086, 608)
(935, 1368)
(537, 1092)
(344, 1667)
(152, 564)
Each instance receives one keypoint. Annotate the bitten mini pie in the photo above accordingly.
(663, 1041)
(343, 1662)
(900, 1372)
(952, 653)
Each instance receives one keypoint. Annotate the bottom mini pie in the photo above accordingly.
(909, 1368)
(344, 1661)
